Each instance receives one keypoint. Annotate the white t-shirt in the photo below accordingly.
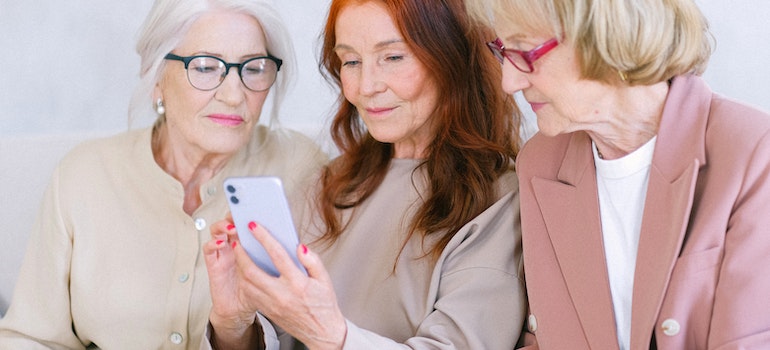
(622, 185)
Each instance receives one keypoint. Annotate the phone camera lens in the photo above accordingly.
(230, 189)
(234, 199)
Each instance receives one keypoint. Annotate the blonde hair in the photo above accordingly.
(167, 24)
(647, 41)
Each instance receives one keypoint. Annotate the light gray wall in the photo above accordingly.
(71, 66)
(740, 66)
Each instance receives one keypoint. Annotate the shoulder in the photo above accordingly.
(104, 151)
(490, 240)
(289, 145)
(507, 182)
(737, 135)
(95, 166)
(731, 118)
(692, 106)
(281, 149)
(542, 154)
(284, 137)
(293, 156)
(737, 145)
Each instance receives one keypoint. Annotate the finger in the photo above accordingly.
(253, 273)
(214, 252)
(278, 254)
(256, 284)
(232, 233)
(313, 264)
(211, 247)
(220, 230)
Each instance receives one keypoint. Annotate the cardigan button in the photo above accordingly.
(176, 338)
(200, 224)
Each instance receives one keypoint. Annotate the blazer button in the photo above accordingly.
(670, 327)
(532, 323)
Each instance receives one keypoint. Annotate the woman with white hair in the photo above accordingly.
(114, 259)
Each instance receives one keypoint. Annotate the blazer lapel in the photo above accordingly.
(679, 154)
(663, 227)
(570, 209)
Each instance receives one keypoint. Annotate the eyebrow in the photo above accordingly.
(515, 37)
(379, 45)
(221, 56)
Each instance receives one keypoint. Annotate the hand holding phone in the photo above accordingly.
(261, 199)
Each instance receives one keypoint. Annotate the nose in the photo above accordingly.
(514, 80)
(370, 80)
(231, 91)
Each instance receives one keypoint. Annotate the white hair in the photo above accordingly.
(168, 22)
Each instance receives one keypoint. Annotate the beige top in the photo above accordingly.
(473, 298)
(113, 260)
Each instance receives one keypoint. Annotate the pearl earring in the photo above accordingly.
(159, 108)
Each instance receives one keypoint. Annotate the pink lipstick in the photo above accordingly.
(226, 119)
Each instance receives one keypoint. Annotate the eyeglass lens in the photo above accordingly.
(514, 57)
(519, 61)
(207, 73)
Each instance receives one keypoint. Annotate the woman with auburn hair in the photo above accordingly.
(413, 236)
(644, 197)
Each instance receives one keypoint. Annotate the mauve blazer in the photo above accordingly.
(702, 276)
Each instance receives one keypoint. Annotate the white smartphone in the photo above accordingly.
(262, 199)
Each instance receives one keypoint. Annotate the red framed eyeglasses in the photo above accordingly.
(522, 60)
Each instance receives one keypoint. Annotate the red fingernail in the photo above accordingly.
(304, 249)
(230, 227)
(252, 225)
(219, 242)
(234, 244)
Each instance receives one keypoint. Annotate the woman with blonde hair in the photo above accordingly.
(645, 194)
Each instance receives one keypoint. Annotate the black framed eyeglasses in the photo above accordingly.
(522, 60)
(208, 72)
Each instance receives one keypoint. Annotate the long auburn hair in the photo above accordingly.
(476, 123)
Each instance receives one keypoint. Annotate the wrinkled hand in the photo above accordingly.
(231, 314)
(303, 305)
